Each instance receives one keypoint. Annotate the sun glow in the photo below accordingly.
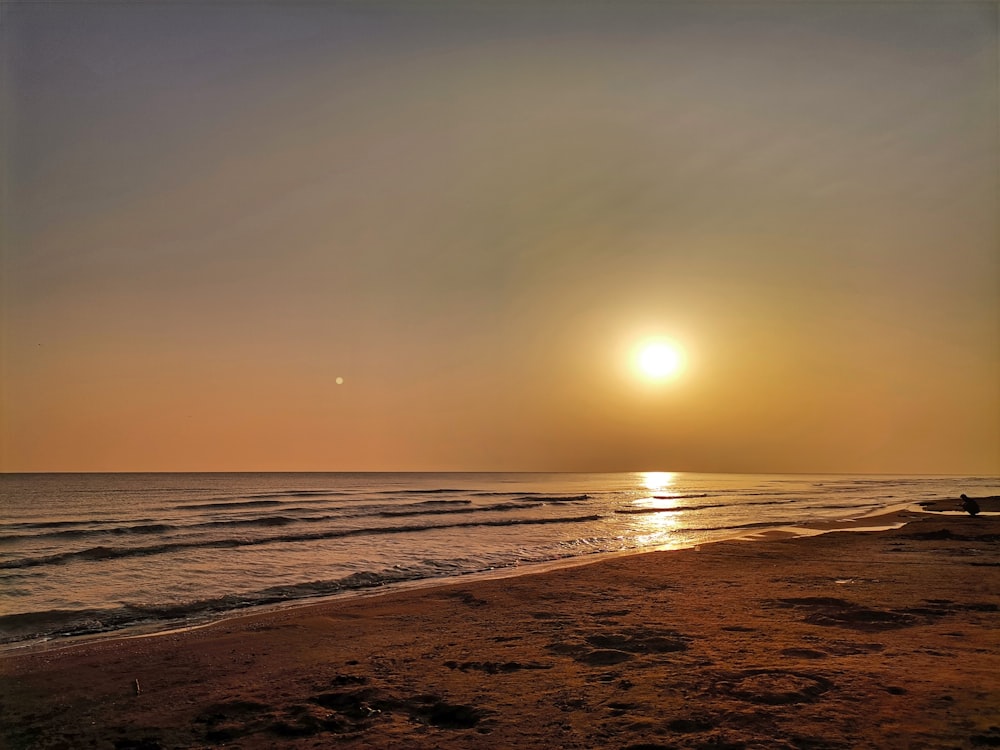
(660, 360)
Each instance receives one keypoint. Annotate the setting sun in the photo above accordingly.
(659, 360)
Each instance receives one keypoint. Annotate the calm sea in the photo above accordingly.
(92, 553)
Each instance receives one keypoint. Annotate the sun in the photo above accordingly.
(659, 360)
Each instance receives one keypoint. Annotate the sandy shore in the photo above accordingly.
(847, 640)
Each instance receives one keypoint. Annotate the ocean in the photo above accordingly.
(86, 554)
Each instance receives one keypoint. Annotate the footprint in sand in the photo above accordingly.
(230, 720)
(603, 657)
(356, 709)
(832, 612)
(641, 641)
(494, 667)
(604, 649)
(803, 653)
(775, 687)
(469, 598)
(689, 726)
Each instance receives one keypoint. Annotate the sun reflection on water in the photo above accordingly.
(655, 529)
(653, 516)
(656, 481)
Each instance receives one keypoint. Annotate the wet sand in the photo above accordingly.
(884, 639)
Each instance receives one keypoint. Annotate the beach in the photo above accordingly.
(92, 554)
(884, 639)
(469, 375)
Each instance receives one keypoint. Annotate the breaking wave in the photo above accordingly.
(106, 553)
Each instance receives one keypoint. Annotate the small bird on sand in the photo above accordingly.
(969, 505)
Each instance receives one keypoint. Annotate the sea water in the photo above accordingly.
(94, 553)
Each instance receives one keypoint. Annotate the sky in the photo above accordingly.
(473, 213)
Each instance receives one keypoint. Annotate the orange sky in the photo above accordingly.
(471, 213)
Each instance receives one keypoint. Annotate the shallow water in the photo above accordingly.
(86, 553)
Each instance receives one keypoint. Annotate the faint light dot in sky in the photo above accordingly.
(340, 381)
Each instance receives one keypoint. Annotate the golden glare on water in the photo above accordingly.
(654, 517)
(659, 360)
(655, 481)
(657, 526)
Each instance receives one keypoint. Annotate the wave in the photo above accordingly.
(466, 509)
(678, 509)
(480, 493)
(47, 524)
(735, 505)
(244, 500)
(769, 493)
(149, 528)
(424, 508)
(683, 497)
(264, 521)
(161, 528)
(501, 494)
(108, 553)
(51, 616)
(277, 493)
(64, 524)
(440, 491)
(68, 622)
(297, 493)
(238, 504)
